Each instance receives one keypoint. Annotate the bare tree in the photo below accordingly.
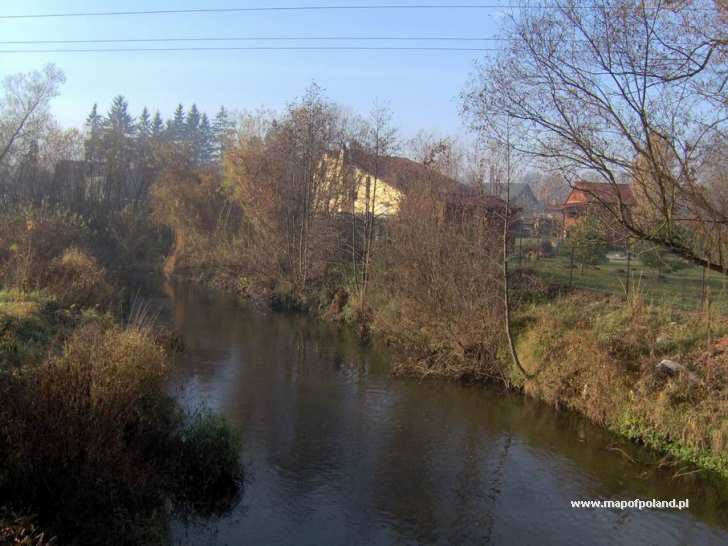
(379, 141)
(279, 174)
(24, 106)
(620, 90)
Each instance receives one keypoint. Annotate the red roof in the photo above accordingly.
(600, 192)
(405, 174)
(399, 172)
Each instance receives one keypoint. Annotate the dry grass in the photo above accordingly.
(78, 280)
(597, 356)
(92, 444)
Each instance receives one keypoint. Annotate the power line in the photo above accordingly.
(247, 48)
(258, 9)
(259, 38)
(318, 8)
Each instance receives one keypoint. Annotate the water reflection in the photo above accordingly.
(339, 452)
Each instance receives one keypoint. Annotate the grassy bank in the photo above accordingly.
(94, 451)
(598, 356)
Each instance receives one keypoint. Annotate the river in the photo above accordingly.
(337, 451)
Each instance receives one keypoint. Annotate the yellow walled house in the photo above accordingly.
(355, 178)
(353, 187)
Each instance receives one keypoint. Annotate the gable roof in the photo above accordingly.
(398, 172)
(600, 192)
(404, 174)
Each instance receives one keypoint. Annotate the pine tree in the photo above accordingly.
(118, 152)
(193, 121)
(118, 119)
(157, 126)
(93, 135)
(207, 141)
(177, 125)
(221, 128)
(144, 124)
(192, 133)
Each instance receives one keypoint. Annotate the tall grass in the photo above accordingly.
(598, 356)
(92, 444)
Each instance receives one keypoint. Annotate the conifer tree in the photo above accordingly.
(118, 151)
(177, 125)
(92, 143)
(192, 133)
(221, 128)
(144, 124)
(206, 142)
(118, 119)
(193, 121)
(157, 126)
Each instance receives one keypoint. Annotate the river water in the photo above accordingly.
(337, 451)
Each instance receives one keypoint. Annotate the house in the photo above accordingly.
(521, 197)
(462, 202)
(381, 183)
(601, 199)
(370, 184)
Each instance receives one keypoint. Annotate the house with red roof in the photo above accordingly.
(601, 199)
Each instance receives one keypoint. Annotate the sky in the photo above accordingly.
(421, 87)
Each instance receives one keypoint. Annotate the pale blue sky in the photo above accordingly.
(421, 87)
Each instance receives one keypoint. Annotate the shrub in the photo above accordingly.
(91, 442)
(27, 326)
(209, 460)
(80, 427)
(21, 531)
(436, 288)
(31, 238)
(77, 279)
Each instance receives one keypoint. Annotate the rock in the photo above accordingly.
(672, 368)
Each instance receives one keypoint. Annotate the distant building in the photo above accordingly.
(599, 199)
(523, 199)
(386, 180)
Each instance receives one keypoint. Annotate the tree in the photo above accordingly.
(206, 144)
(94, 123)
(24, 106)
(144, 124)
(177, 126)
(278, 175)
(620, 91)
(221, 128)
(192, 133)
(586, 243)
(157, 127)
(119, 153)
(119, 120)
(379, 139)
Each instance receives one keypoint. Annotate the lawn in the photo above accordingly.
(683, 289)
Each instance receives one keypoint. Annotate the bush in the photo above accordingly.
(31, 238)
(78, 430)
(436, 288)
(21, 531)
(28, 323)
(77, 279)
(209, 460)
(91, 442)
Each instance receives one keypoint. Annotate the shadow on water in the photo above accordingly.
(337, 451)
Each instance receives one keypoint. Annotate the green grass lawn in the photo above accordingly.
(682, 289)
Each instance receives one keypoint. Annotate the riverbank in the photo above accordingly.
(590, 353)
(94, 451)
